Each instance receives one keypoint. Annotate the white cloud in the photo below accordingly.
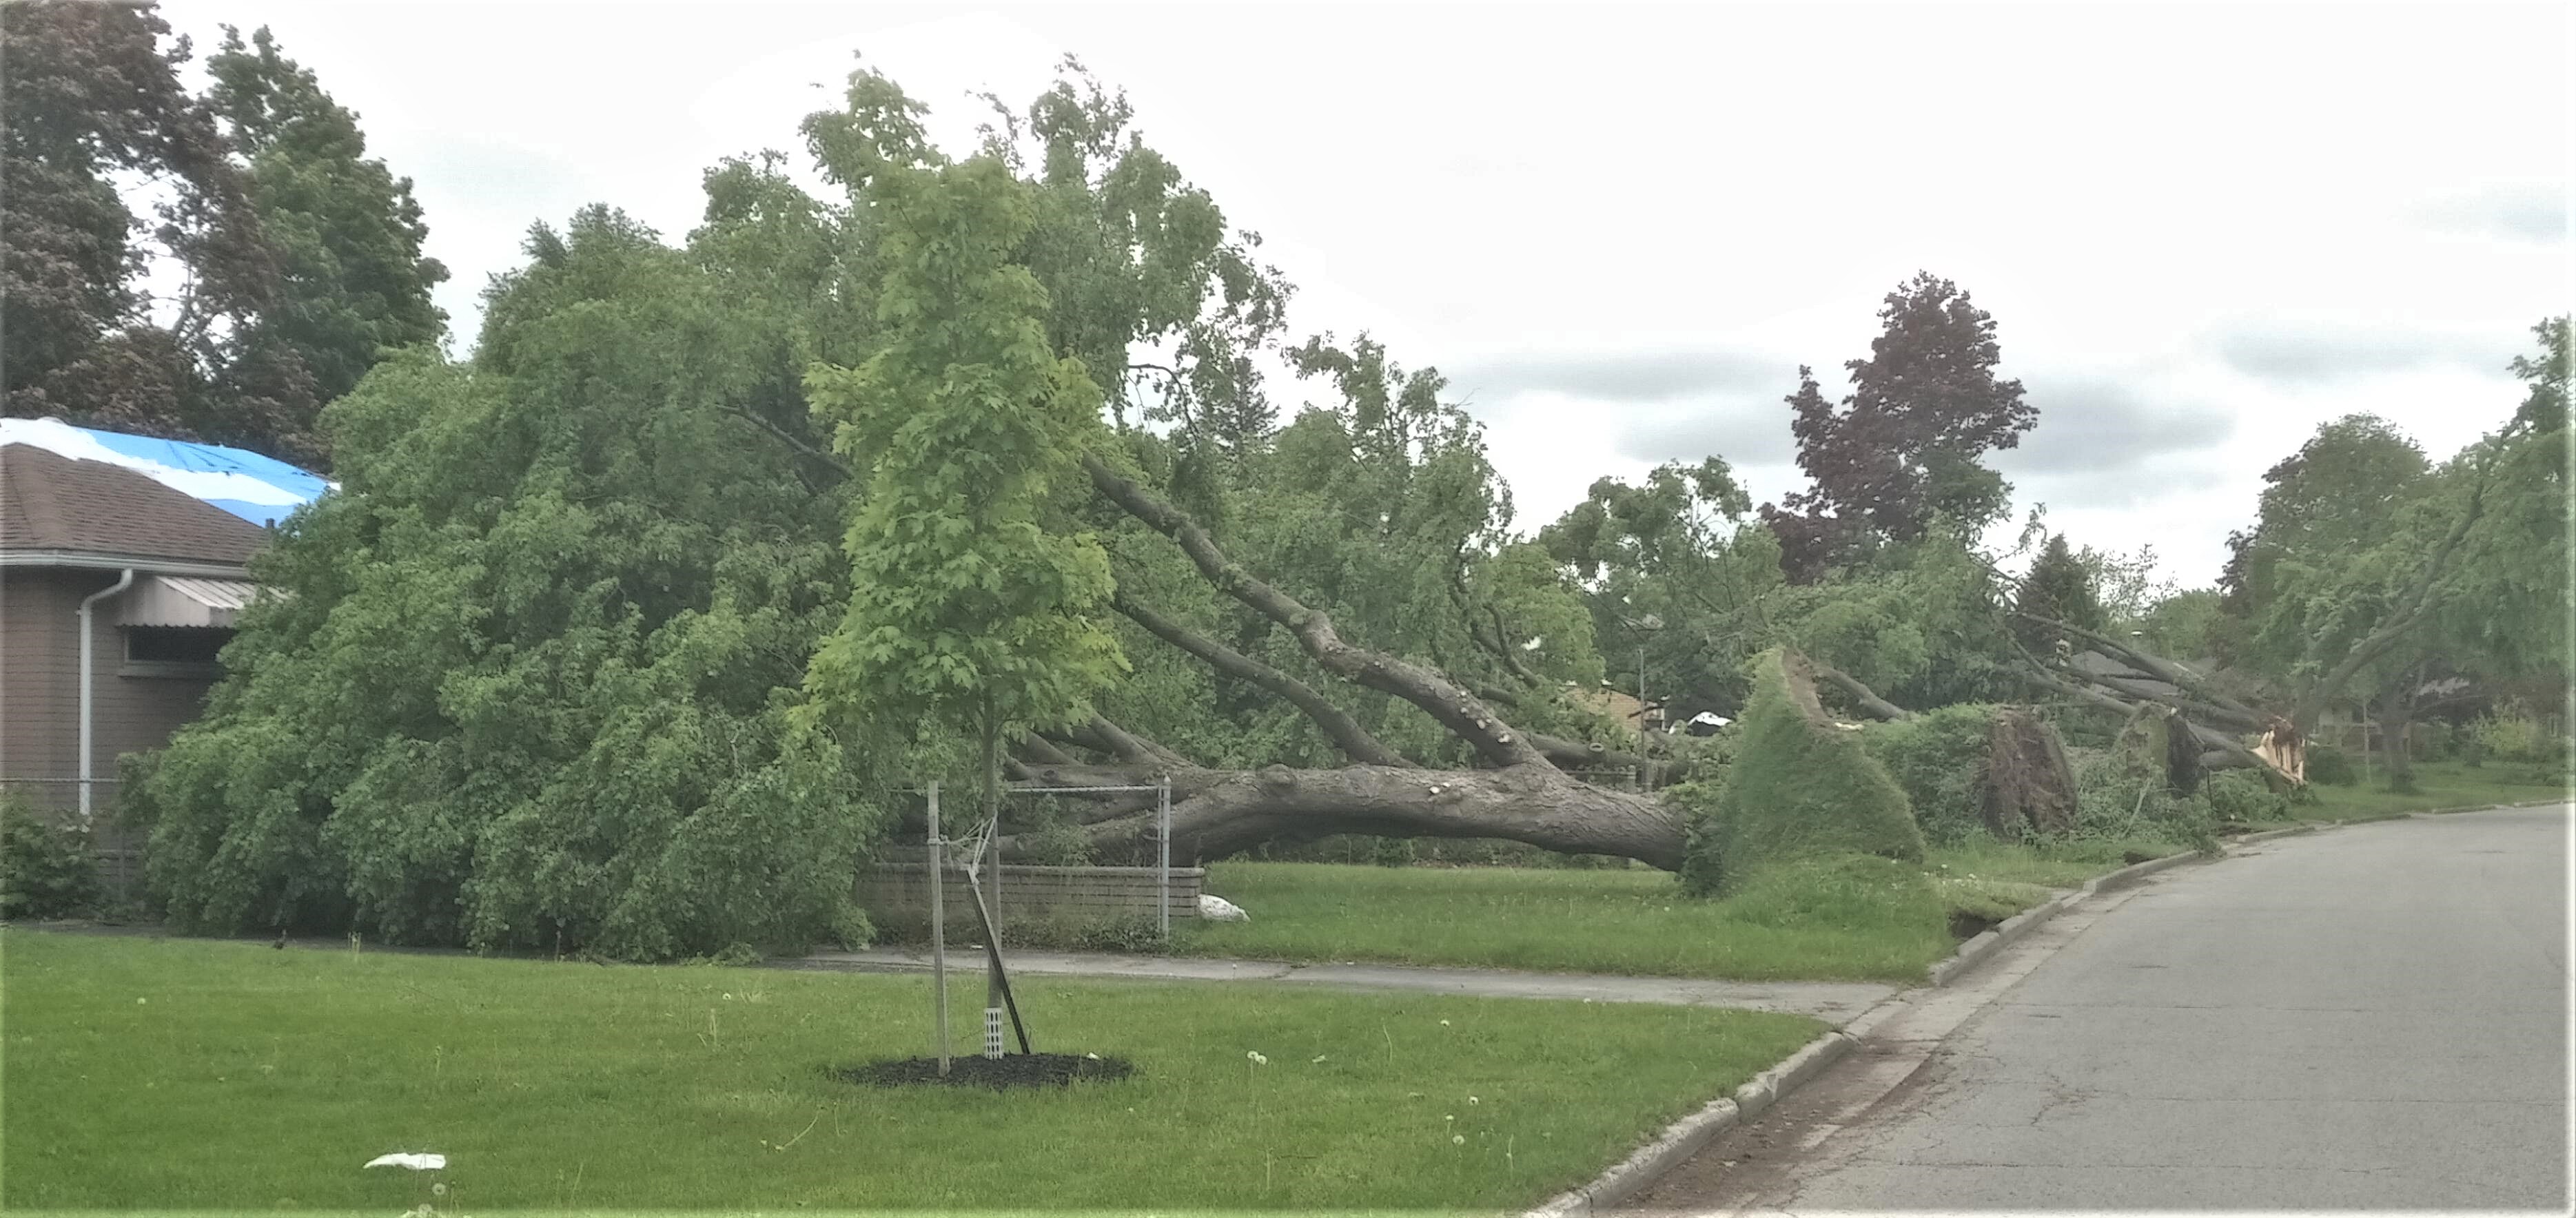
(1498, 188)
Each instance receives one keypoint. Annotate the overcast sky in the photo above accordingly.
(2202, 231)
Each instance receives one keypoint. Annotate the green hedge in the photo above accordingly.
(2331, 766)
(46, 870)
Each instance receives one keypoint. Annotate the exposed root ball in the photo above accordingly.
(2027, 781)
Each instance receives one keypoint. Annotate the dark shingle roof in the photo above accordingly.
(53, 502)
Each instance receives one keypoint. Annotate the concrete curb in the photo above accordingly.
(1689, 1135)
(1977, 950)
(2291, 831)
(2528, 803)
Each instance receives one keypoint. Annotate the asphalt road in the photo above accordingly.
(2374, 1017)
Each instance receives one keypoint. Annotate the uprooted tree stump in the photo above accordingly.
(2027, 783)
(2157, 748)
(1972, 766)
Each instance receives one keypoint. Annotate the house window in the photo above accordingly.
(174, 650)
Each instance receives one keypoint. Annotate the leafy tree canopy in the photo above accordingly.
(299, 258)
(1902, 449)
(963, 606)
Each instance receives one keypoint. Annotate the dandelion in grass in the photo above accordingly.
(1473, 1100)
(1457, 1139)
(1256, 1058)
(1444, 1023)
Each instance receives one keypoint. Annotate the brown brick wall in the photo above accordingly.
(40, 688)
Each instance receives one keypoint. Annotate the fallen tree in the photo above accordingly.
(1520, 792)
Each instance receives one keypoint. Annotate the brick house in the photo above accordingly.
(142, 543)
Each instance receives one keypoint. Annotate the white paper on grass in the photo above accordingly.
(414, 1162)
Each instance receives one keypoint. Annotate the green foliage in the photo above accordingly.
(1800, 786)
(2331, 766)
(964, 607)
(1939, 757)
(295, 261)
(1134, 254)
(1379, 507)
(2544, 408)
(1916, 623)
(2059, 588)
(2369, 564)
(2238, 797)
(1899, 456)
(2190, 625)
(1675, 548)
(1048, 838)
(346, 233)
(46, 869)
(2512, 733)
(2116, 802)
(531, 683)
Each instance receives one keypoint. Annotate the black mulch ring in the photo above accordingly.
(1000, 1073)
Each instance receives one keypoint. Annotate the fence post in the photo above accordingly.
(1163, 852)
(938, 929)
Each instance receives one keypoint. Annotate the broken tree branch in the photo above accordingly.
(1456, 709)
(1864, 696)
(1345, 732)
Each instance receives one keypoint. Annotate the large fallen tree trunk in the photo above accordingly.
(1521, 796)
(1536, 805)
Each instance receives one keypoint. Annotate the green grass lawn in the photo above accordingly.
(1558, 920)
(1636, 921)
(2440, 784)
(161, 1074)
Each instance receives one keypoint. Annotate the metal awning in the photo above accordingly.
(179, 600)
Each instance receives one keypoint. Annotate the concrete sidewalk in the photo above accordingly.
(1836, 1002)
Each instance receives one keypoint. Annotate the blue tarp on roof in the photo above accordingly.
(258, 489)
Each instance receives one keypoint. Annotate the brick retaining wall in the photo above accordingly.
(898, 894)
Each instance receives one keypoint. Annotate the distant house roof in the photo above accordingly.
(52, 503)
(261, 490)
